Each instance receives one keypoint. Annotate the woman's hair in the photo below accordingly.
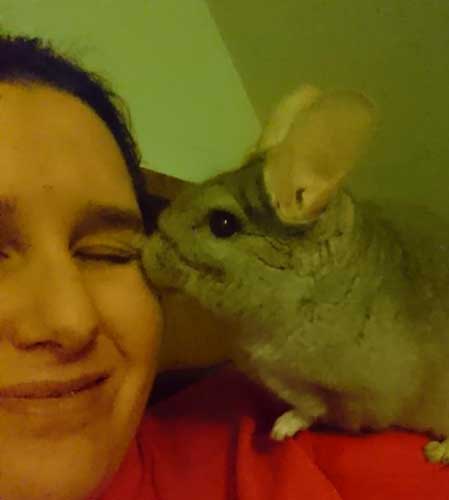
(30, 60)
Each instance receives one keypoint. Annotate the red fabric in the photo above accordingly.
(212, 442)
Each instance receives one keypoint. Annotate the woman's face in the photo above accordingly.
(79, 328)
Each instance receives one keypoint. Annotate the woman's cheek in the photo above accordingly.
(132, 310)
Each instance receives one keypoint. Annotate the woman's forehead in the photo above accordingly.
(24, 99)
(30, 110)
(50, 137)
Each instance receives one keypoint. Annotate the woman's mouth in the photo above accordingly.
(52, 389)
(53, 407)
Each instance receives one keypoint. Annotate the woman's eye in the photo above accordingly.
(3, 255)
(112, 257)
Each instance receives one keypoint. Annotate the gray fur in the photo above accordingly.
(347, 318)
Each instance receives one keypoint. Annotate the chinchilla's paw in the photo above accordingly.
(437, 452)
(288, 424)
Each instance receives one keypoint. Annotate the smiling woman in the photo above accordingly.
(79, 327)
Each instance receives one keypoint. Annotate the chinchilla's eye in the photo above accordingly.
(223, 224)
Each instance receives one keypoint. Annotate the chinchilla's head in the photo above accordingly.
(249, 240)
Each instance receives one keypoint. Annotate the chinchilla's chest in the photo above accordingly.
(288, 353)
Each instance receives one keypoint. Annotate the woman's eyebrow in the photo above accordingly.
(97, 218)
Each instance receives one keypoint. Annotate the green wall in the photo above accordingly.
(397, 51)
(200, 75)
(191, 114)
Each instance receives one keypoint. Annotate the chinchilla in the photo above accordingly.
(342, 307)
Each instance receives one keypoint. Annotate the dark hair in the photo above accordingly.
(24, 59)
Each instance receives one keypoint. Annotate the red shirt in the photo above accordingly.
(211, 442)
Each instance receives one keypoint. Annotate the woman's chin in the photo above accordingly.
(72, 458)
(76, 465)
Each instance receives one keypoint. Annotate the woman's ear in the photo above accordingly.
(320, 141)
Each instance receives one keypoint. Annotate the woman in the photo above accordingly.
(79, 327)
(80, 332)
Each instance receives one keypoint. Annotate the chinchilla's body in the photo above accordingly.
(343, 310)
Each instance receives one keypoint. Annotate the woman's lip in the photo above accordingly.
(52, 389)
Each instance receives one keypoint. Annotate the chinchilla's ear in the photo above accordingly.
(311, 151)
(284, 114)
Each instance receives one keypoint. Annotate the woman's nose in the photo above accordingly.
(60, 314)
